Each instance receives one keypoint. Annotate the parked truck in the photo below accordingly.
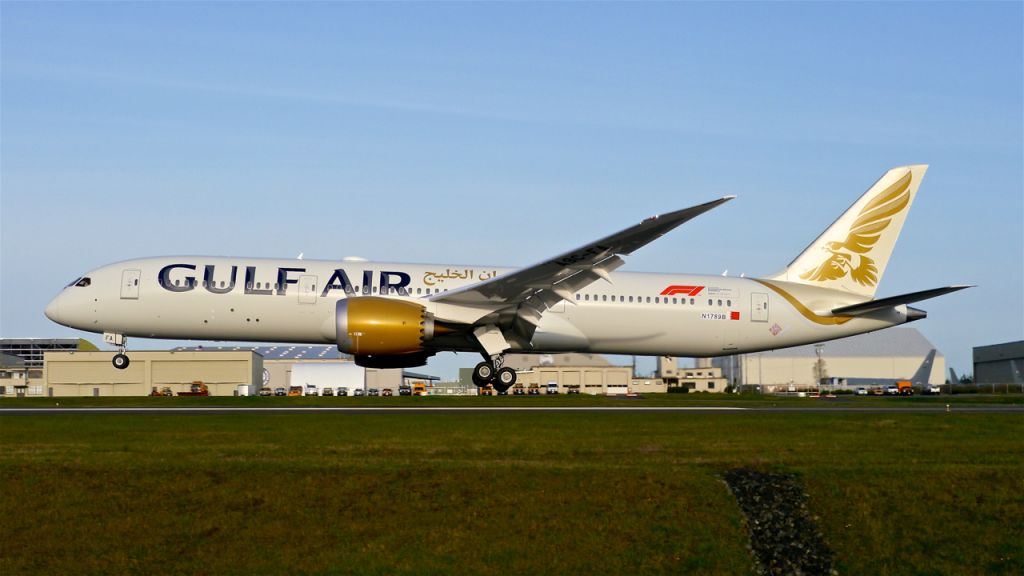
(197, 389)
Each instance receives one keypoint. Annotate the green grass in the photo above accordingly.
(606, 493)
(703, 399)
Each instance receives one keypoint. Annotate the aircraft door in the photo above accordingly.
(307, 289)
(758, 307)
(130, 284)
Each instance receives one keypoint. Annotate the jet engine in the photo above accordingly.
(369, 326)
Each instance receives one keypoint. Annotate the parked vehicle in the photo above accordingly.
(387, 392)
(862, 391)
(197, 389)
(165, 391)
(373, 392)
(405, 390)
(327, 392)
(552, 388)
(572, 390)
(358, 392)
(295, 390)
(518, 390)
(419, 389)
(312, 391)
(905, 388)
(342, 391)
(933, 389)
(892, 391)
(266, 391)
(280, 392)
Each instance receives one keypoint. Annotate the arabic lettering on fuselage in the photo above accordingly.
(435, 278)
(389, 281)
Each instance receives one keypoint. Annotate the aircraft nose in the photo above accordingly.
(53, 310)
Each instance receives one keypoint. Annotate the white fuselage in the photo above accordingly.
(294, 301)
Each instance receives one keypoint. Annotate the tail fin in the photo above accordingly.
(852, 253)
(920, 378)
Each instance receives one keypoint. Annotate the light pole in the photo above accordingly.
(819, 349)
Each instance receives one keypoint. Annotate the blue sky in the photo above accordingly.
(506, 133)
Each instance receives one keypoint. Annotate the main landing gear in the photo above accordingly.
(492, 372)
(120, 360)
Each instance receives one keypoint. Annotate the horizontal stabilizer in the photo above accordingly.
(883, 303)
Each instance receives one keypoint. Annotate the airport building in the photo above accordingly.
(72, 367)
(91, 373)
(896, 353)
(999, 364)
(22, 362)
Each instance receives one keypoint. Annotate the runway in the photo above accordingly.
(406, 410)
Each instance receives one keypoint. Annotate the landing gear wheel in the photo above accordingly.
(483, 372)
(120, 361)
(505, 378)
(500, 388)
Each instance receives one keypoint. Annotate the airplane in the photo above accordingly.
(918, 380)
(389, 315)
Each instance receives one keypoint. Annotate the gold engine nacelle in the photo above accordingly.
(370, 325)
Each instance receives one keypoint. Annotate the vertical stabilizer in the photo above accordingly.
(851, 255)
(920, 378)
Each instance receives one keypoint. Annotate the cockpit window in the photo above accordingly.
(82, 282)
(73, 282)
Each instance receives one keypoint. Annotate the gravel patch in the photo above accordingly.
(783, 536)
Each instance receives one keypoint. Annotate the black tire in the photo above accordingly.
(506, 377)
(483, 372)
(500, 388)
(120, 361)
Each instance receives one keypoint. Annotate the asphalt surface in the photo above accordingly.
(192, 411)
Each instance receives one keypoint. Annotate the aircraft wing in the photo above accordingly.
(542, 285)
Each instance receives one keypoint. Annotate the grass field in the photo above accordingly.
(606, 493)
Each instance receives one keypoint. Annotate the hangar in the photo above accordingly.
(279, 361)
(1000, 364)
(893, 354)
(91, 373)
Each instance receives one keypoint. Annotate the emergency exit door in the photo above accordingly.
(307, 289)
(130, 284)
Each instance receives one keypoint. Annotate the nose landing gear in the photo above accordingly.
(120, 360)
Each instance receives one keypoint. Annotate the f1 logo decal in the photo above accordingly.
(688, 290)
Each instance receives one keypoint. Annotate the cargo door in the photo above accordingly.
(307, 289)
(758, 307)
(130, 284)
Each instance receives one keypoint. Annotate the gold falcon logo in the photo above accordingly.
(864, 233)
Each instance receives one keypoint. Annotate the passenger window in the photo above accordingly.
(691, 301)
(419, 290)
(630, 298)
(587, 297)
(604, 298)
(728, 302)
(656, 300)
(136, 281)
(648, 299)
(711, 302)
(719, 302)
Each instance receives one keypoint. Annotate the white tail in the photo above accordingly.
(852, 253)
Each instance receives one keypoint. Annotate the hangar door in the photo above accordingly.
(130, 284)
